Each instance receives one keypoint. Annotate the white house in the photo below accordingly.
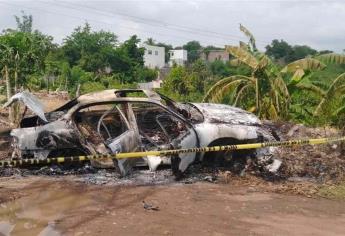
(154, 56)
(178, 57)
(151, 85)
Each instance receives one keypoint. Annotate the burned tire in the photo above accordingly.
(235, 160)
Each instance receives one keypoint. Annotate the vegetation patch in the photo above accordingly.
(336, 191)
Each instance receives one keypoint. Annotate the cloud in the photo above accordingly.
(316, 23)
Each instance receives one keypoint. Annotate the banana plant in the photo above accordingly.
(270, 87)
(269, 92)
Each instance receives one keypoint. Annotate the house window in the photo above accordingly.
(156, 53)
(149, 52)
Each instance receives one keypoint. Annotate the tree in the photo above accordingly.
(150, 41)
(284, 53)
(90, 50)
(193, 50)
(279, 50)
(325, 52)
(22, 53)
(187, 83)
(24, 23)
(6, 58)
(132, 51)
(219, 68)
(302, 51)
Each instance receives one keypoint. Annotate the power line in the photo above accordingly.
(157, 23)
(103, 22)
(165, 27)
(151, 22)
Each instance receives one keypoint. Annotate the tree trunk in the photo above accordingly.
(66, 82)
(9, 93)
(48, 80)
(257, 96)
(15, 107)
(77, 93)
(15, 81)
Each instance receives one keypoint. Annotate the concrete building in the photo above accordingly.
(178, 57)
(154, 56)
(150, 85)
(214, 55)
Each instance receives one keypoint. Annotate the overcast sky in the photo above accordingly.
(319, 24)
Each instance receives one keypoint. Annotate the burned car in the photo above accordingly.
(129, 120)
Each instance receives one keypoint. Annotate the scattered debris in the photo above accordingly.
(151, 207)
(210, 179)
(323, 163)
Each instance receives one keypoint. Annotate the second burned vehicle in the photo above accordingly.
(114, 121)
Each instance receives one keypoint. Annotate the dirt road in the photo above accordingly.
(59, 206)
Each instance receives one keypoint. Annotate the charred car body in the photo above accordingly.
(114, 121)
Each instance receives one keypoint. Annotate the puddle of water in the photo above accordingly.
(36, 213)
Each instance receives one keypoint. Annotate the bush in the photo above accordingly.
(91, 87)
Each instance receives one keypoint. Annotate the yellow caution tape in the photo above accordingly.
(24, 162)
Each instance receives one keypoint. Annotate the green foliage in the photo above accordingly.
(273, 93)
(302, 51)
(284, 53)
(187, 84)
(335, 192)
(92, 51)
(24, 23)
(279, 50)
(193, 50)
(220, 68)
(300, 84)
(90, 86)
(146, 74)
(23, 53)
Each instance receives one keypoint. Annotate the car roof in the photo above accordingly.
(110, 94)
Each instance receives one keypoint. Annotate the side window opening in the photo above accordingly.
(99, 123)
(157, 127)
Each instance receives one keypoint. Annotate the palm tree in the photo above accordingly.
(150, 41)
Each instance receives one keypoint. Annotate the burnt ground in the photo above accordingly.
(59, 200)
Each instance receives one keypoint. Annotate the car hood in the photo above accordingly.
(29, 100)
(219, 113)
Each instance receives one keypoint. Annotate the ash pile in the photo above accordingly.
(316, 163)
(321, 163)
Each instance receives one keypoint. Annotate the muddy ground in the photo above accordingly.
(82, 200)
(60, 206)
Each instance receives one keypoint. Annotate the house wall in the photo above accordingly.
(154, 56)
(216, 55)
(178, 57)
(150, 85)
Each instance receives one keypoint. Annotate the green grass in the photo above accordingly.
(333, 192)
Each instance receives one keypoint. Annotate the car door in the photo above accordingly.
(161, 129)
(107, 130)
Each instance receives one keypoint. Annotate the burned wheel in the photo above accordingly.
(235, 161)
